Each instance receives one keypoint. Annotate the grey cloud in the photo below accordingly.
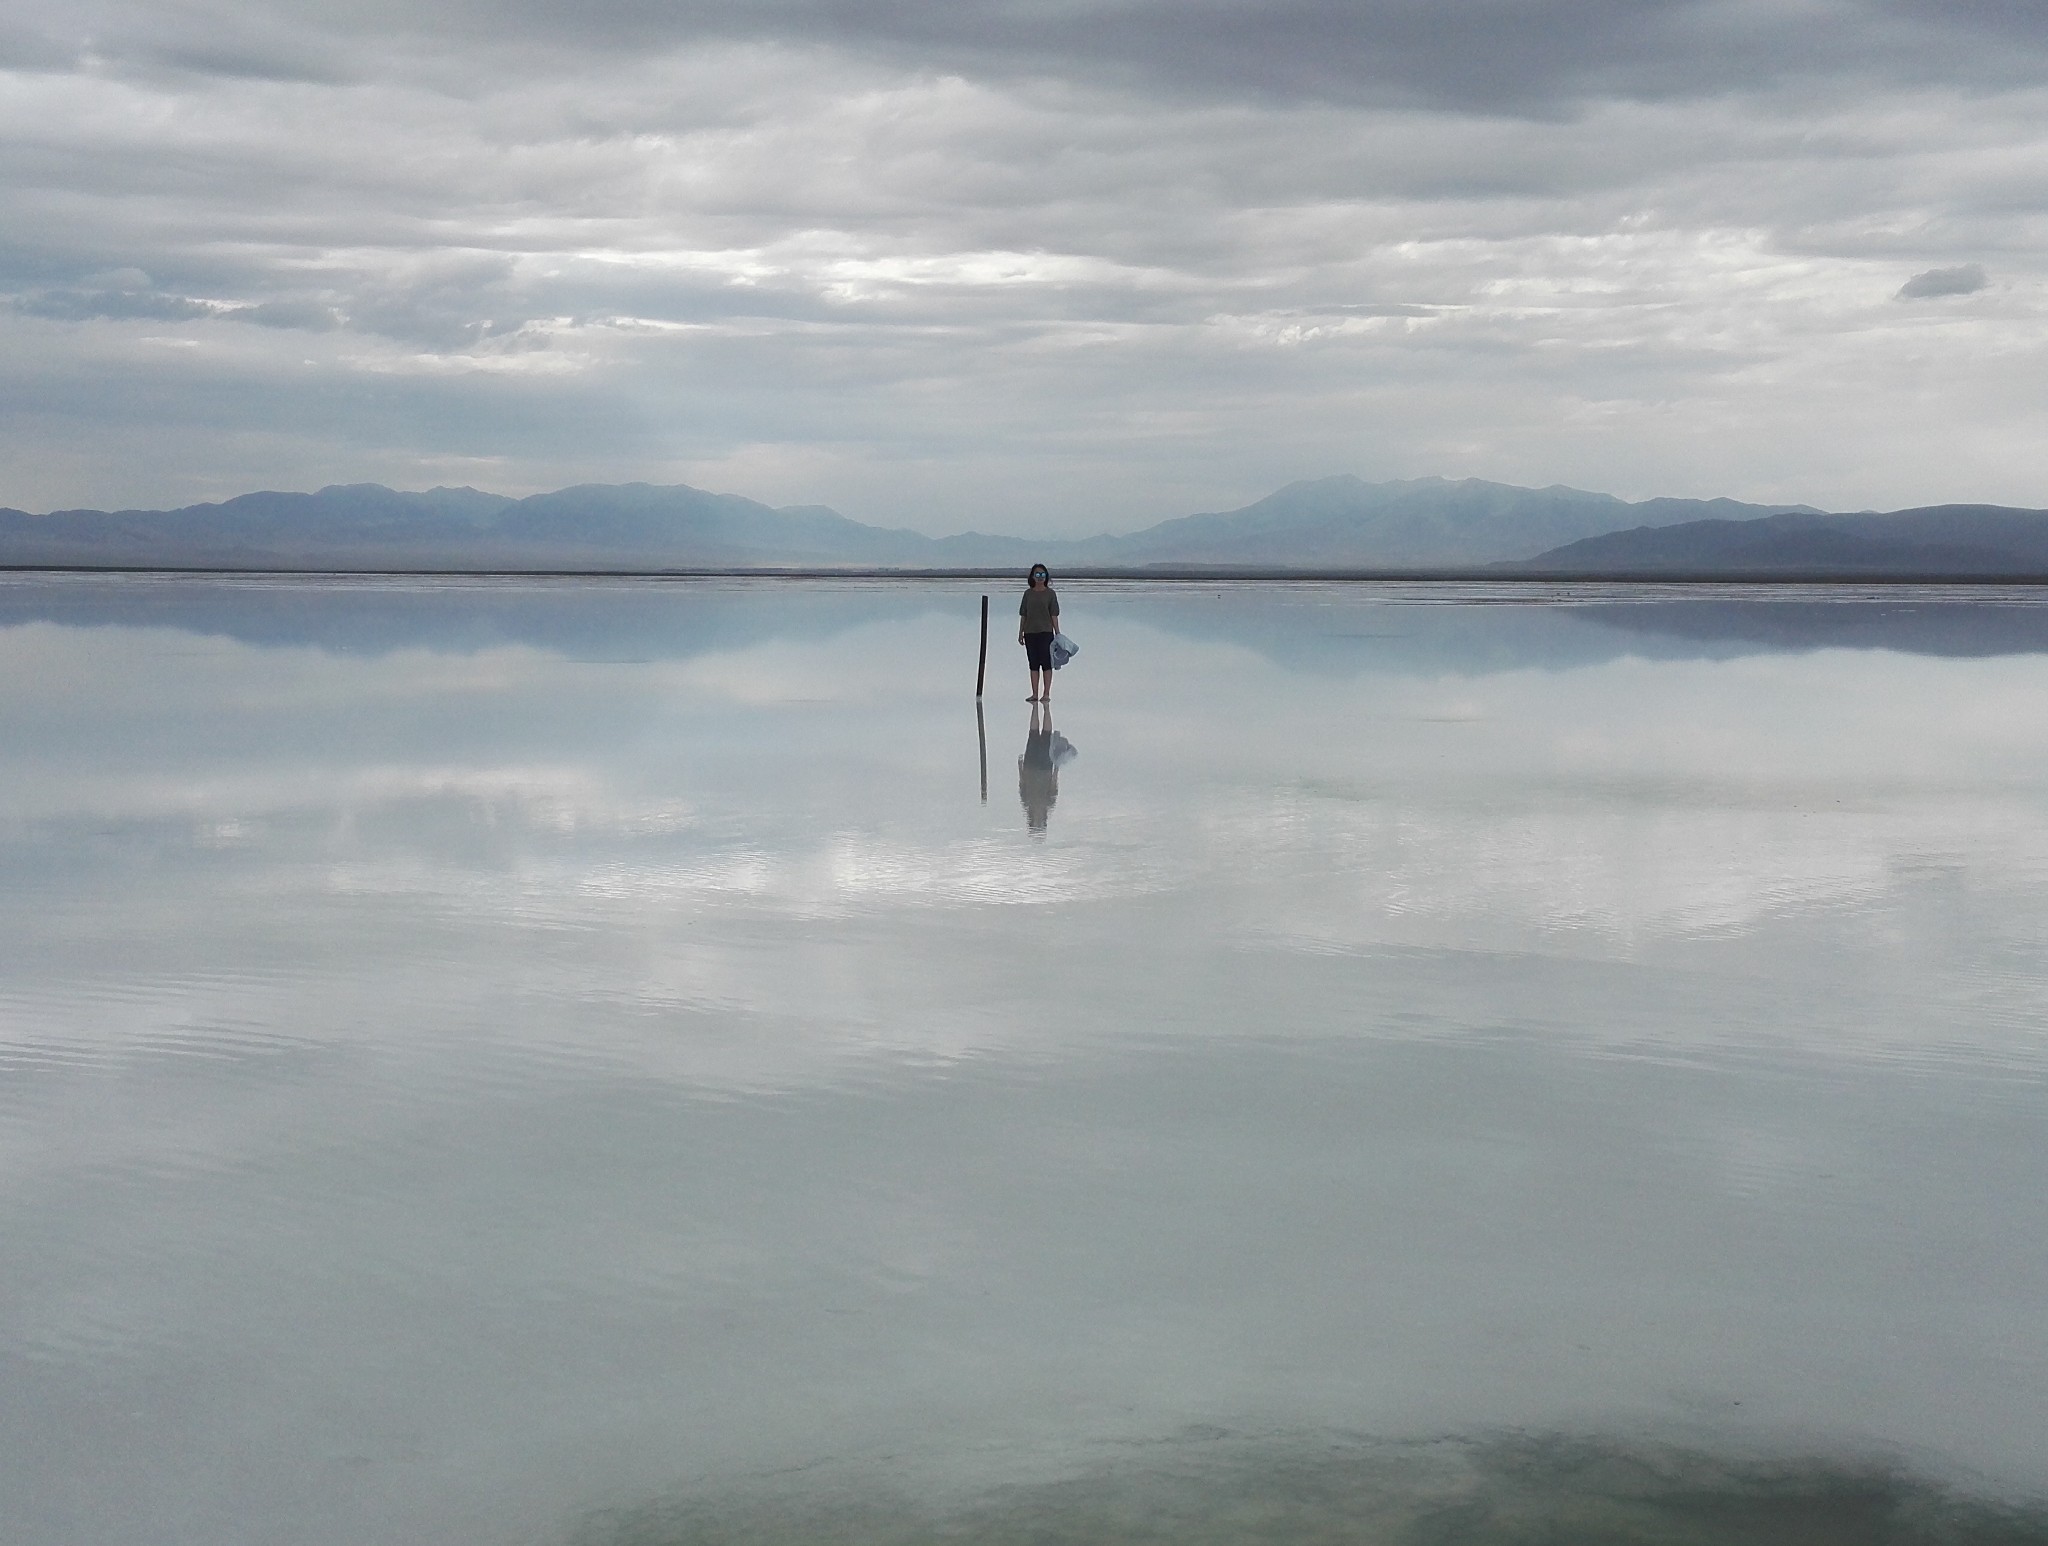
(298, 316)
(252, 61)
(1513, 56)
(245, 39)
(27, 46)
(1966, 280)
(157, 306)
(1131, 265)
(85, 305)
(1501, 55)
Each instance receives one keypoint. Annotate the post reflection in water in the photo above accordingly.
(1038, 769)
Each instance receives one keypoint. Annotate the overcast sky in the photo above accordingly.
(1048, 266)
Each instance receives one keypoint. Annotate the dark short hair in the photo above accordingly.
(1035, 571)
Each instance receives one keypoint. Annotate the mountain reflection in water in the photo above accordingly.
(1320, 626)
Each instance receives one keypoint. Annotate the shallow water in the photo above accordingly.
(632, 1062)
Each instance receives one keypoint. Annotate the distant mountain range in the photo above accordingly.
(1974, 541)
(1341, 523)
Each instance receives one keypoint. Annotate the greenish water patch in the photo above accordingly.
(1514, 1491)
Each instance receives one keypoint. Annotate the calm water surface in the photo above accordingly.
(646, 1062)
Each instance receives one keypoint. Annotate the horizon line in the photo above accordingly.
(1161, 574)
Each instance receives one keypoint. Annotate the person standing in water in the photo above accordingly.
(1038, 619)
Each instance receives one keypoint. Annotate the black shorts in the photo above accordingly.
(1038, 650)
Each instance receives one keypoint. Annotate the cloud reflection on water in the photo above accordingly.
(1623, 808)
(611, 1065)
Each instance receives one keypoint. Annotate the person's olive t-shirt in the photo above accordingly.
(1040, 610)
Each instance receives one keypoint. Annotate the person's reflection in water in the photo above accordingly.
(1038, 770)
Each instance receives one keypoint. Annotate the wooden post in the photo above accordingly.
(981, 667)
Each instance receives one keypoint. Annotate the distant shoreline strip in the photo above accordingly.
(1169, 574)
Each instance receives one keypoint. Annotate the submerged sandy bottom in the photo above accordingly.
(1335, 1491)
